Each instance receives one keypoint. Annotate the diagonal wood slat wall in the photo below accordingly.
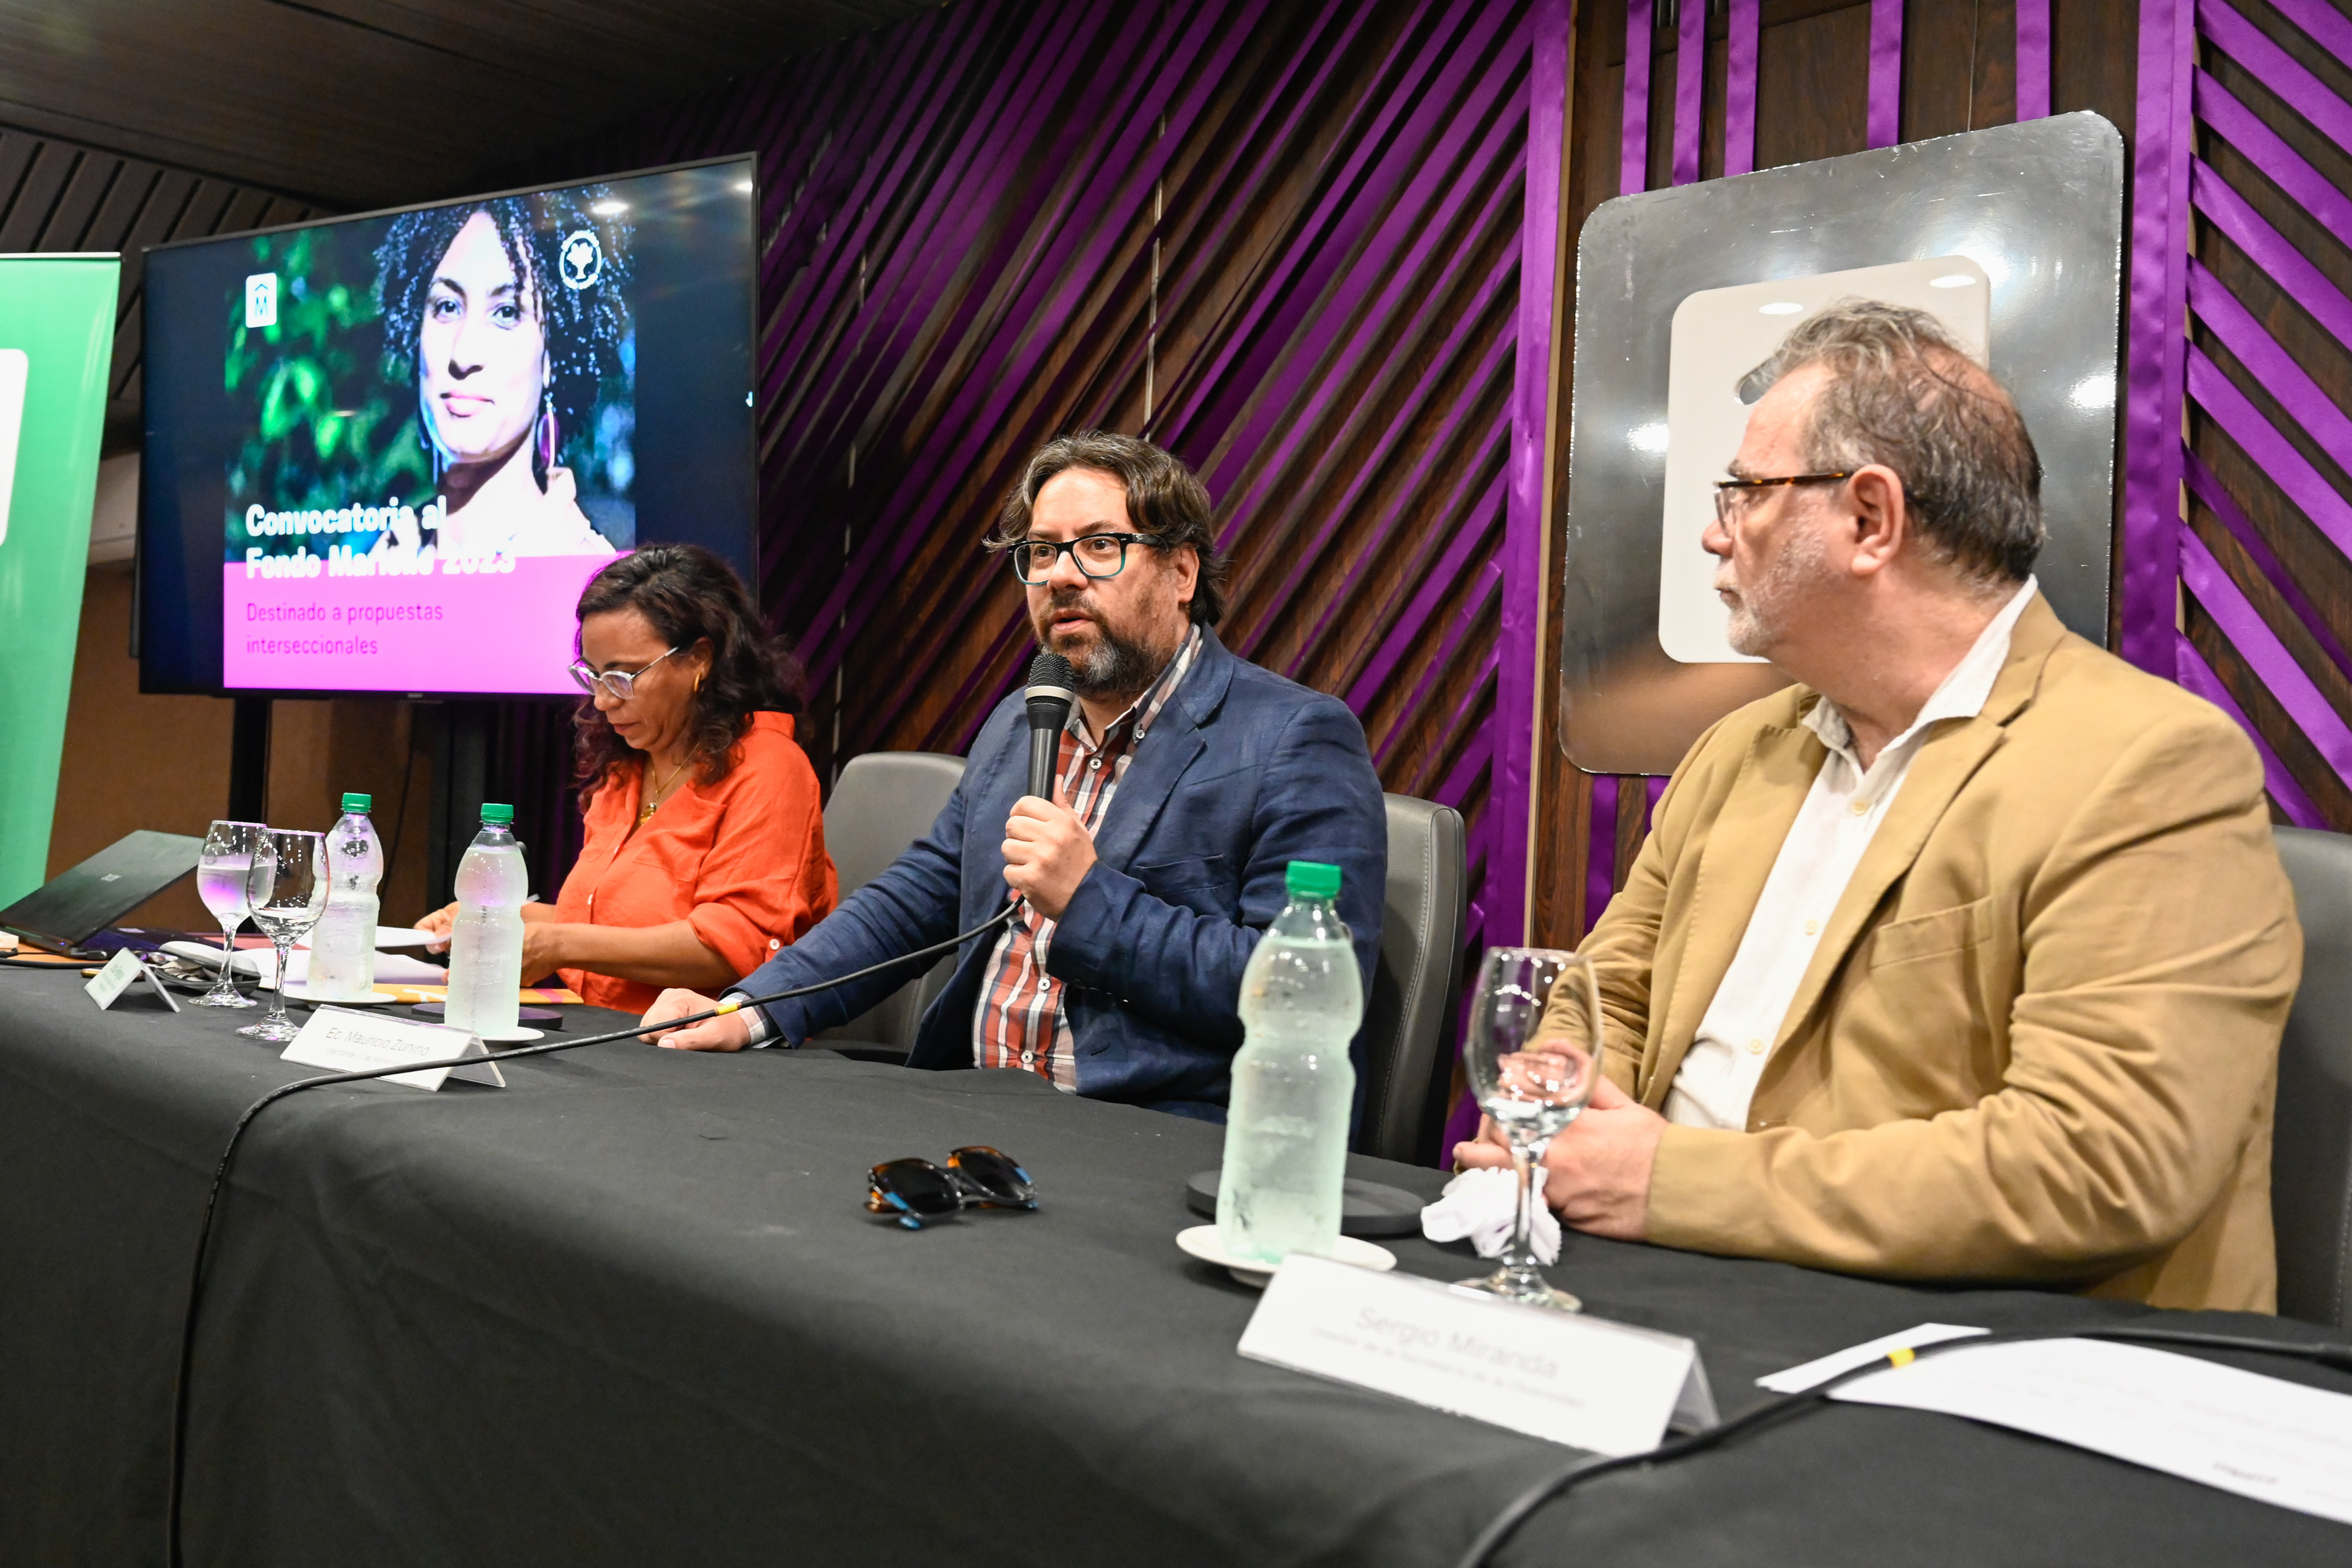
(1281, 240)
(2267, 590)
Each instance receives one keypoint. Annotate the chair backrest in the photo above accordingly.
(883, 802)
(1417, 986)
(2311, 1162)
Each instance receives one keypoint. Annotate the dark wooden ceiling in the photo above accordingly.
(353, 104)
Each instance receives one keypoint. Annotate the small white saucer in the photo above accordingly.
(514, 1036)
(372, 999)
(1201, 1241)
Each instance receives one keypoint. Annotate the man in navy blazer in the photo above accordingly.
(1189, 779)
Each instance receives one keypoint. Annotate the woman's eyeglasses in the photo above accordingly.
(1733, 497)
(1098, 555)
(620, 683)
(913, 1191)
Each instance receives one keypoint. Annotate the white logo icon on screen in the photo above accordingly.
(261, 300)
(582, 259)
(1718, 336)
(13, 366)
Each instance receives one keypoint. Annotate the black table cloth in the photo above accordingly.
(630, 1310)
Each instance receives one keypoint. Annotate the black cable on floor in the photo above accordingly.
(220, 1172)
(1552, 1487)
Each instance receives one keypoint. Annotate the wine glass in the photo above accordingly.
(1533, 1054)
(222, 866)
(287, 890)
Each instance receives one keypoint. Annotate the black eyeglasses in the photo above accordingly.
(912, 1191)
(1726, 489)
(1098, 555)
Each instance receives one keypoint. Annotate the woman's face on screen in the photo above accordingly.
(481, 349)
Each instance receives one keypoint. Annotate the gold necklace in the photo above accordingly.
(647, 809)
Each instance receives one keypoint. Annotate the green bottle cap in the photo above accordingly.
(496, 814)
(354, 801)
(1312, 879)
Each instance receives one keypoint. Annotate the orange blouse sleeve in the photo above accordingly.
(766, 877)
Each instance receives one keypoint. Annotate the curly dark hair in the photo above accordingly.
(690, 595)
(1164, 499)
(585, 327)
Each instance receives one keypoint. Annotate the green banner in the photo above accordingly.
(57, 335)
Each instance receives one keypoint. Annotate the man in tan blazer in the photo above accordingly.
(1966, 957)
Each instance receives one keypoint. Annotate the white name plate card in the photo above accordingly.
(2258, 1436)
(107, 986)
(1592, 1384)
(349, 1041)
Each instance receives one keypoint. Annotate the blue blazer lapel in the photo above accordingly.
(993, 784)
(1172, 745)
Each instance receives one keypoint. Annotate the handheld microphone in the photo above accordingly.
(1049, 695)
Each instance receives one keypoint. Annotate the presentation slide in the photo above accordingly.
(419, 434)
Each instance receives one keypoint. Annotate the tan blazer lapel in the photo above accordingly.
(1945, 763)
(1742, 843)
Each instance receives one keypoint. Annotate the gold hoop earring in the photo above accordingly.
(697, 682)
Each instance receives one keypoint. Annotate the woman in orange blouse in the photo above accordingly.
(705, 846)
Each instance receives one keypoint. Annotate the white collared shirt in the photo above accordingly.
(1842, 813)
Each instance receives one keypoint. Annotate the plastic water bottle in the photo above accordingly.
(486, 945)
(1287, 1129)
(342, 944)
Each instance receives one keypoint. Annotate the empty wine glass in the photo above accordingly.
(287, 890)
(222, 866)
(1532, 1066)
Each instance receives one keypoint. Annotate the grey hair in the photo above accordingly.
(1164, 499)
(1901, 392)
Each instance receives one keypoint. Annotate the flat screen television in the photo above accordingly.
(384, 453)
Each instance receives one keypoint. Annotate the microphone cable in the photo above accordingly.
(220, 1170)
(1482, 1550)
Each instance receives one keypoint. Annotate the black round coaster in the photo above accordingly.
(1366, 1208)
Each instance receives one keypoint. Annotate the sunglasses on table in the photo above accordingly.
(913, 1191)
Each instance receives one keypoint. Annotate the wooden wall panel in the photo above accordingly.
(2284, 361)
(1283, 239)
(1812, 90)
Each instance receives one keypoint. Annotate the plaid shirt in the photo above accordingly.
(1019, 1022)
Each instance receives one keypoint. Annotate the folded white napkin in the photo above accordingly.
(1482, 1205)
(251, 963)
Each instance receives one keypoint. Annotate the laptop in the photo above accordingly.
(76, 905)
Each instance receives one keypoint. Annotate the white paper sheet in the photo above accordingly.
(1797, 1379)
(2258, 1436)
(261, 963)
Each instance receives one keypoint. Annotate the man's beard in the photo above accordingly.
(1760, 618)
(1116, 666)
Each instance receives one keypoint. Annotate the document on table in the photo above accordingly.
(2258, 1436)
(1797, 1379)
